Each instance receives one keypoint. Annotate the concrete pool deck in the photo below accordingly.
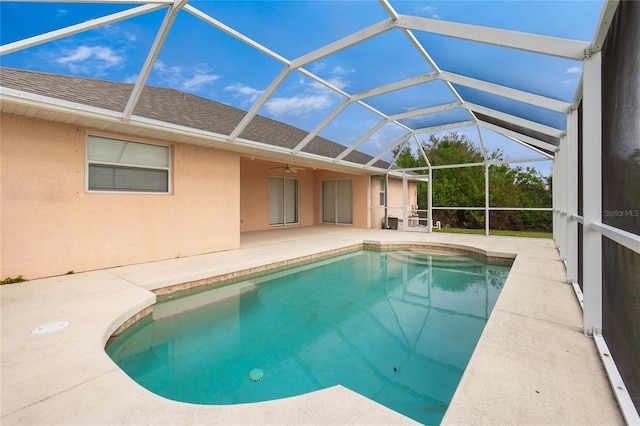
(532, 365)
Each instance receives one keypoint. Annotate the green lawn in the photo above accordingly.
(529, 234)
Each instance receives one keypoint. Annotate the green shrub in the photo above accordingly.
(10, 280)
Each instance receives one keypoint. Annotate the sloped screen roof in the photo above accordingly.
(346, 81)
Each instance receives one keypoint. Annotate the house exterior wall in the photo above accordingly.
(254, 194)
(254, 198)
(362, 201)
(395, 201)
(377, 209)
(360, 189)
(51, 225)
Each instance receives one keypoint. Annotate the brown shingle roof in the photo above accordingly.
(172, 106)
(96, 93)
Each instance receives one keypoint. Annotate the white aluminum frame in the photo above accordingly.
(566, 217)
(592, 194)
(565, 160)
(407, 24)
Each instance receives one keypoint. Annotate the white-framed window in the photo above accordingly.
(383, 185)
(116, 165)
(283, 201)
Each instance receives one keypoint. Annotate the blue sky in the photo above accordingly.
(200, 59)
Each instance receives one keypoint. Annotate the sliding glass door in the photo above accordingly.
(337, 201)
(283, 201)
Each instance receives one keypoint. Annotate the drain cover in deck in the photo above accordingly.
(50, 327)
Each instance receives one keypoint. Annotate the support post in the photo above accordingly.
(386, 201)
(430, 201)
(572, 196)
(592, 194)
(405, 199)
(555, 196)
(486, 199)
(562, 186)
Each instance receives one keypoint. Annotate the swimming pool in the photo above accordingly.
(398, 327)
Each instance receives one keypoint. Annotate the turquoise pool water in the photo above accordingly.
(398, 327)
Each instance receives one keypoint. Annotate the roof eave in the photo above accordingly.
(151, 128)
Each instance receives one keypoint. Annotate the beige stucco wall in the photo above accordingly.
(377, 210)
(254, 198)
(360, 190)
(394, 199)
(50, 225)
(254, 193)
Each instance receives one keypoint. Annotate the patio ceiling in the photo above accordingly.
(370, 81)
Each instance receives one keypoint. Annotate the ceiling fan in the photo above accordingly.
(288, 168)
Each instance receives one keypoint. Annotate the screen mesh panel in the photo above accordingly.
(621, 191)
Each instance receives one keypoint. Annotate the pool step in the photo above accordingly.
(170, 307)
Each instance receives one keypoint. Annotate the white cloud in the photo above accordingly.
(429, 11)
(308, 98)
(340, 83)
(130, 36)
(164, 68)
(172, 75)
(322, 67)
(83, 53)
(341, 70)
(316, 87)
(414, 121)
(178, 77)
(239, 90)
(318, 66)
(300, 105)
(334, 76)
(411, 108)
(84, 59)
(116, 34)
(61, 13)
(573, 74)
(302, 97)
(131, 79)
(199, 80)
(385, 136)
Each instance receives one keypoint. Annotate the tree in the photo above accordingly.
(464, 186)
(519, 187)
(456, 187)
(405, 158)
